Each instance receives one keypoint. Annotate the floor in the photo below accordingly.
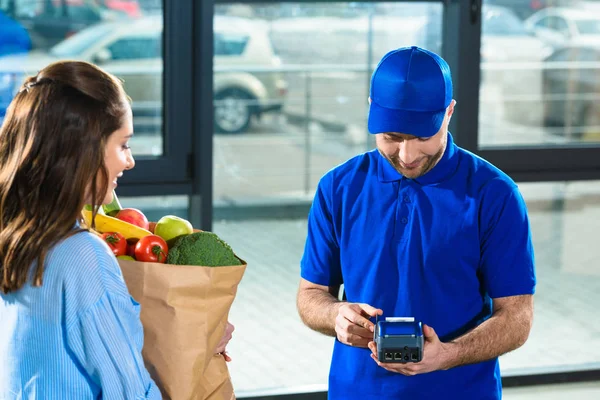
(571, 391)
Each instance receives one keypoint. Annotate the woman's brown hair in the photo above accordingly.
(52, 146)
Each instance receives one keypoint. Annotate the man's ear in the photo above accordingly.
(450, 109)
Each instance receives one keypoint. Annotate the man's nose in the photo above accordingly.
(408, 152)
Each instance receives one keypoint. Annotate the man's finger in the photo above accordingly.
(392, 367)
(345, 325)
(360, 342)
(361, 331)
(353, 315)
(429, 332)
(370, 310)
(373, 348)
(354, 340)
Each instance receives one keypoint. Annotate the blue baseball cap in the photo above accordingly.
(410, 91)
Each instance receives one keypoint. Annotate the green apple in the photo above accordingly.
(170, 226)
(126, 258)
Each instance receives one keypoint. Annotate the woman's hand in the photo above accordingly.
(229, 328)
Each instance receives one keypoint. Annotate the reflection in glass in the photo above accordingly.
(123, 37)
(565, 219)
(242, 95)
(291, 93)
(539, 76)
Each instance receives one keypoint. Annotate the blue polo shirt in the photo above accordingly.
(437, 248)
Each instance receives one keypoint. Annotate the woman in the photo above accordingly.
(69, 328)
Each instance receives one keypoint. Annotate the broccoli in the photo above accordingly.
(201, 248)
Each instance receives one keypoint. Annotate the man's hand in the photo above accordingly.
(352, 325)
(229, 328)
(436, 356)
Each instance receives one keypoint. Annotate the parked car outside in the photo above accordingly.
(590, 5)
(240, 95)
(505, 43)
(129, 7)
(563, 27)
(133, 51)
(525, 8)
(511, 59)
(572, 91)
(51, 21)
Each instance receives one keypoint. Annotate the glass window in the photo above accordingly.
(63, 29)
(588, 26)
(538, 79)
(76, 45)
(565, 218)
(502, 23)
(289, 108)
(229, 44)
(82, 12)
(557, 24)
(542, 23)
(135, 49)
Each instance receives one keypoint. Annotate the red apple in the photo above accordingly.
(133, 216)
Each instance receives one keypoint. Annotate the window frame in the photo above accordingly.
(171, 172)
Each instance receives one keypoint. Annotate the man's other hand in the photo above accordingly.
(436, 356)
(352, 324)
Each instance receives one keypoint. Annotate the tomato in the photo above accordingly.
(151, 248)
(131, 247)
(116, 242)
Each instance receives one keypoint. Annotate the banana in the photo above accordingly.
(104, 223)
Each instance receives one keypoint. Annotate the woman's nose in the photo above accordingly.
(130, 161)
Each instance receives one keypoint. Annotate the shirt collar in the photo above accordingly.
(442, 170)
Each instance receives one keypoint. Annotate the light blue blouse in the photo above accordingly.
(79, 335)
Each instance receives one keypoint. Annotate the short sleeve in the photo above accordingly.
(507, 257)
(107, 341)
(321, 260)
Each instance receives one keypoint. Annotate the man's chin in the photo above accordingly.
(410, 173)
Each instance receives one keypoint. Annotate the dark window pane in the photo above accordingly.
(135, 49)
(230, 44)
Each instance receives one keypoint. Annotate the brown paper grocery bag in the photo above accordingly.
(184, 310)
